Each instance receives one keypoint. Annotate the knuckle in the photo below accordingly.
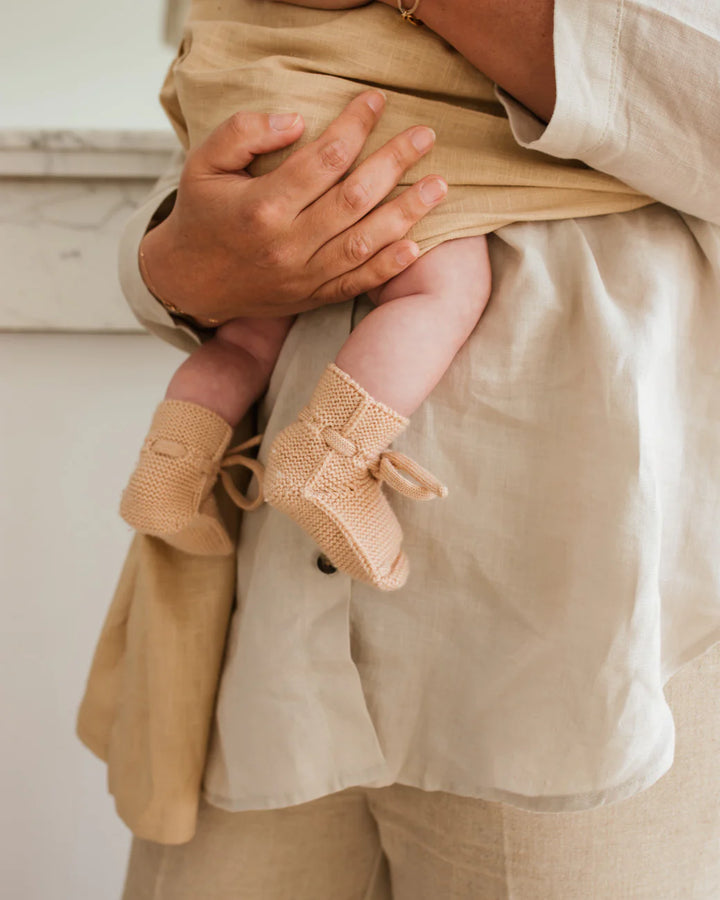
(334, 156)
(395, 222)
(357, 248)
(380, 270)
(237, 123)
(355, 196)
(405, 214)
(387, 265)
(264, 213)
(362, 115)
(344, 288)
(398, 157)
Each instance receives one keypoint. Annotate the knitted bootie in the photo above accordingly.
(326, 471)
(169, 494)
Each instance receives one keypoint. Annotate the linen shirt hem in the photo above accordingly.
(659, 765)
(690, 653)
(303, 795)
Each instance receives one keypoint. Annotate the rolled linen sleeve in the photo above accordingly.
(151, 314)
(637, 88)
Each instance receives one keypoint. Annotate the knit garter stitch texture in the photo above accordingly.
(169, 494)
(326, 470)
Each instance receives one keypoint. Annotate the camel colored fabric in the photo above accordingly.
(150, 693)
(325, 471)
(169, 494)
(259, 56)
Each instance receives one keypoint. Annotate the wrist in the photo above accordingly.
(159, 272)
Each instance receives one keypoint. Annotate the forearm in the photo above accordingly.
(510, 41)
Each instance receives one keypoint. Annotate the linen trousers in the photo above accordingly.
(403, 843)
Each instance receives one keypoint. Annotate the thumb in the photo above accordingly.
(233, 145)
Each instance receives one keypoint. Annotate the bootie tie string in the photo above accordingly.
(391, 464)
(235, 457)
(388, 466)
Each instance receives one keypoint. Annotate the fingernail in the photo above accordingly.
(376, 101)
(283, 122)
(432, 191)
(406, 255)
(422, 139)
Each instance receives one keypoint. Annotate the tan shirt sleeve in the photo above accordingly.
(636, 98)
(151, 314)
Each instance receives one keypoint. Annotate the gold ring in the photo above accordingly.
(407, 14)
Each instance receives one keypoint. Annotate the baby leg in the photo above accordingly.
(325, 470)
(169, 494)
(231, 370)
(400, 351)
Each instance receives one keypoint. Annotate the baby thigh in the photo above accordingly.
(424, 316)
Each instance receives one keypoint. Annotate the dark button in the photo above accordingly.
(324, 564)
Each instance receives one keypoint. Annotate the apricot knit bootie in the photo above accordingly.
(169, 494)
(326, 471)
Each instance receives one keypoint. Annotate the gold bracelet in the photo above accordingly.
(170, 307)
(407, 14)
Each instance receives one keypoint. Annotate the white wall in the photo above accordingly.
(82, 64)
(74, 410)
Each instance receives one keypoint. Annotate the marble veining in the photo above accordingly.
(85, 153)
(58, 253)
(65, 196)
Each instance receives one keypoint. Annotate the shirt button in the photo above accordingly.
(324, 564)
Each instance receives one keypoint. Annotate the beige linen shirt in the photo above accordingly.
(575, 564)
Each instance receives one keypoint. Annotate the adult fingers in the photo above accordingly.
(390, 261)
(364, 188)
(309, 172)
(233, 145)
(383, 226)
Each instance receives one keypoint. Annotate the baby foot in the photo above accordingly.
(169, 494)
(326, 471)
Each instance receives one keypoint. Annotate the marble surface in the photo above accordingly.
(85, 154)
(58, 253)
(64, 199)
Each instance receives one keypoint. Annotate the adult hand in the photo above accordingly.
(299, 236)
